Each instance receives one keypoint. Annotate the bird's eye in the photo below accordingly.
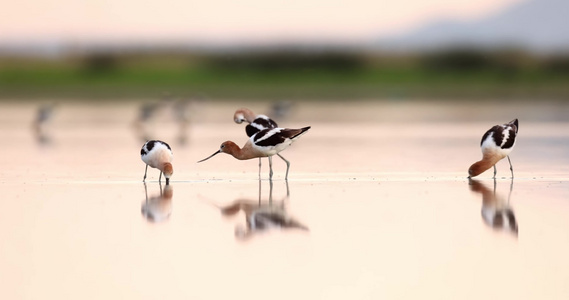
(222, 146)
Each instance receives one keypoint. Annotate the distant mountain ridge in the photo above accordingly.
(535, 25)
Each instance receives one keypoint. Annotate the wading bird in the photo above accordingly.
(496, 144)
(256, 124)
(264, 143)
(157, 154)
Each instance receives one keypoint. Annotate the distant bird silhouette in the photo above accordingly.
(44, 116)
(281, 109)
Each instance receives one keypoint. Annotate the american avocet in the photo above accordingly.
(496, 144)
(264, 143)
(157, 154)
(256, 124)
(496, 211)
(158, 208)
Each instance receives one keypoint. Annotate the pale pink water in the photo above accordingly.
(386, 200)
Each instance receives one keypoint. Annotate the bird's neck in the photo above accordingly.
(486, 163)
(241, 153)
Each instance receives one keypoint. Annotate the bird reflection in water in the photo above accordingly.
(496, 211)
(158, 208)
(261, 217)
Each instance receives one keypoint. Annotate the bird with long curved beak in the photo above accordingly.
(264, 143)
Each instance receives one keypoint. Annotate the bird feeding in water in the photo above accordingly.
(157, 154)
(264, 143)
(496, 144)
(256, 124)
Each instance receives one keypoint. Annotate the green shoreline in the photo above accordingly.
(290, 84)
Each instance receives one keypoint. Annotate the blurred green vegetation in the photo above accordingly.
(287, 74)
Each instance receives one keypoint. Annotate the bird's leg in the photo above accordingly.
(494, 186)
(270, 168)
(259, 169)
(145, 170)
(160, 178)
(287, 190)
(494, 172)
(287, 165)
(511, 168)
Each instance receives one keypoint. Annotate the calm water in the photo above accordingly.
(379, 207)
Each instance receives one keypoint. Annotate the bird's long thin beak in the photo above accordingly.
(219, 151)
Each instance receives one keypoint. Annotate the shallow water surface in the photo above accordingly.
(371, 210)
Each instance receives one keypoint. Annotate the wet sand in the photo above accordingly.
(388, 210)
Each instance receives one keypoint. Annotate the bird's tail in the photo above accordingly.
(300, 132)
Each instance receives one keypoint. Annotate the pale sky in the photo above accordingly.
(223, 21)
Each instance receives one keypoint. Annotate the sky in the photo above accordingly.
(226, 21)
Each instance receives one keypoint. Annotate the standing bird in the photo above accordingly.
(496, 144)
(264, 143)
(157, 154)
(256, 124)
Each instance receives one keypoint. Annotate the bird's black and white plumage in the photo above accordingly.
(256, 122)
(262, 122)
(496, 144)
(272, 141)
(157, 154)
(501, 137)
(263, 129)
